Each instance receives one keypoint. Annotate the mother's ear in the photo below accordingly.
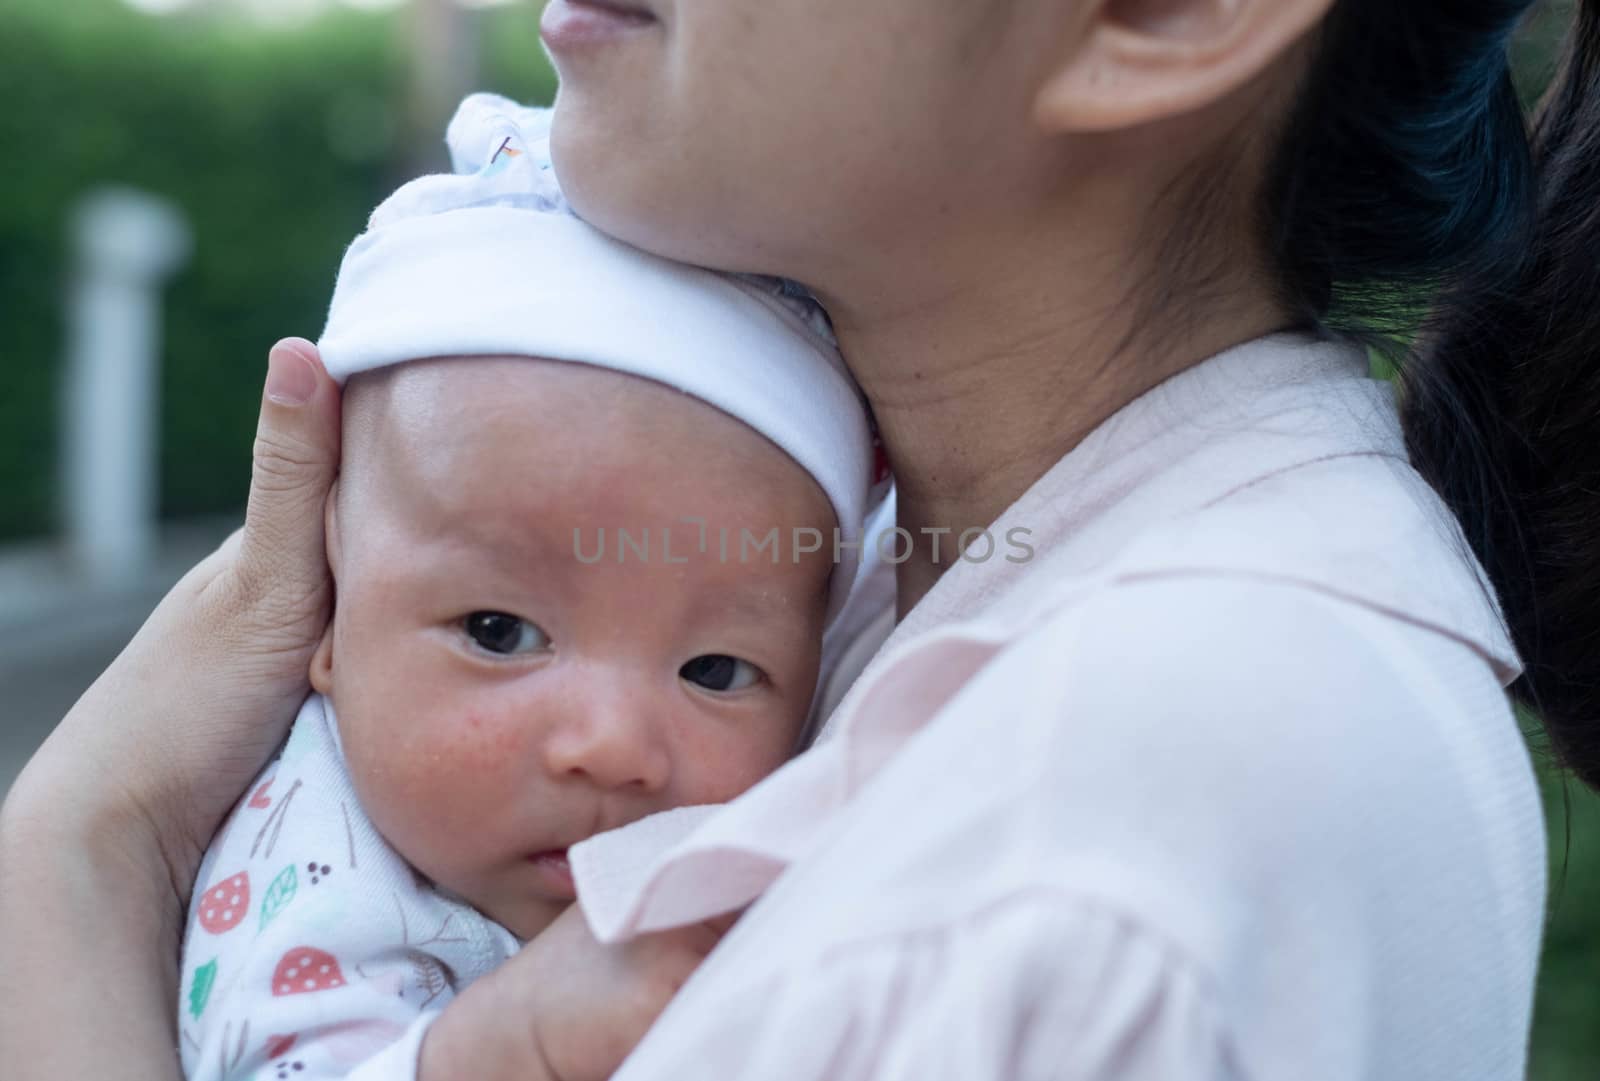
(1140, 61)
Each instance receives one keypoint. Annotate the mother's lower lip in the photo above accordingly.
(573, 24)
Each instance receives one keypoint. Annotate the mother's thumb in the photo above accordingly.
(296, 459)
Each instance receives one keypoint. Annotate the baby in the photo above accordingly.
(583, 547)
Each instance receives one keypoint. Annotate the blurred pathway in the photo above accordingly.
(56, 635)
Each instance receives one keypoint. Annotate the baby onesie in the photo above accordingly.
(312, 949)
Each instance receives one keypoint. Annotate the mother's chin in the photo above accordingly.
(624, 164)
(806, 139)
(625, 172)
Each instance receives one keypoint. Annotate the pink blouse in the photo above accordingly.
(1221, 783)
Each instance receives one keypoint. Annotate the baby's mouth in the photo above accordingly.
(552, 866)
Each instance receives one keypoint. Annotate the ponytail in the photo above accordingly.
(1502, 413)
(1409, 192)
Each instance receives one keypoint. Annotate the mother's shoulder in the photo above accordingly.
(1273, 777)
(1238, 700)
(1236, 720)
(1362, 529)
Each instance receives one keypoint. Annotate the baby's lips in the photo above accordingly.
(552, 863)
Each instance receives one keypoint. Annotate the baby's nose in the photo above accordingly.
(614, 741)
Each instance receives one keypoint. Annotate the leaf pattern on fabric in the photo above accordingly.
(279, 894)
(200, 988)
(431, 974)
(231, 1053)
(273, 826)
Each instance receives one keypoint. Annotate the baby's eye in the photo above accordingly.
(500, 633)
(720, 672)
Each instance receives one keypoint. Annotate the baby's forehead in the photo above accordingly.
(440, 404)
(501, 467)
(421, 391)
(458, 428)
(425, 392)
(436, 426)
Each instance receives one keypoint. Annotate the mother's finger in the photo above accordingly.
(281, 553)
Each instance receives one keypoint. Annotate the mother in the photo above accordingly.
(1222, 781)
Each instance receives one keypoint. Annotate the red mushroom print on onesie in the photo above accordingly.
(305, 969)
(225, 904)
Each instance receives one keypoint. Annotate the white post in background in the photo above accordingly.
(442, 41)
(126, 245)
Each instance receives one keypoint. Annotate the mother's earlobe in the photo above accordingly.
(1142, 61)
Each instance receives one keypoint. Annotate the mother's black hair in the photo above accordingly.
(1409, 193)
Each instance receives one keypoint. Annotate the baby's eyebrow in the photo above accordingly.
(505, 538)
(754, 604)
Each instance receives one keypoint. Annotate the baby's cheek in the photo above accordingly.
(484, 741)
(424, 785)
(723, 770)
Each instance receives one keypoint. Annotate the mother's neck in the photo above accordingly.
(985, 367)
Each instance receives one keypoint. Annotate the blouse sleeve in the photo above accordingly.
(1070, 992)
(1041, 987)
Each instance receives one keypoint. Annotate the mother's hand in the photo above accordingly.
(102, 834)
(568, 1007)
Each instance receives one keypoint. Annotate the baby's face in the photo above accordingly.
(500, 698)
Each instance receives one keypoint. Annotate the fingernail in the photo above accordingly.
(290, 380)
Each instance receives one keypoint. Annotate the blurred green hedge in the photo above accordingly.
(275, 143)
